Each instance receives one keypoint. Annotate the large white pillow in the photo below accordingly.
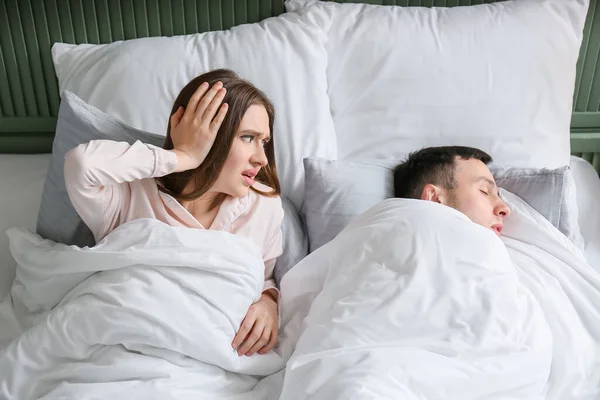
(137, 81)
(588, 194)
(499, 77)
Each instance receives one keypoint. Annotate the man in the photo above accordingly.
(457, 177)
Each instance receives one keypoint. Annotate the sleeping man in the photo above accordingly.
(454, 176)
(426, 300)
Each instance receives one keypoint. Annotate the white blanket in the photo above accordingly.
(411, 301)
(148, 313)
(414, 301)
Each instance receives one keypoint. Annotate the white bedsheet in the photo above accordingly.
(150, 312)
(414, 301)
(22, 181)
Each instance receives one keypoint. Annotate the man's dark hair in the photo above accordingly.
(432, 165)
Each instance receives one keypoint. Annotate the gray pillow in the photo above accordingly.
(551, 192)
(295, 240)
(78, 123)
(338, 191)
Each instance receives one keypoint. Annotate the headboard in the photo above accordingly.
(29, 98)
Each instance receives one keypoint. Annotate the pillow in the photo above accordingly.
(499, 77)
(295, 241)
(550, 192)
(136, 81)
(339, 191)
(79, 123)
(588, 193)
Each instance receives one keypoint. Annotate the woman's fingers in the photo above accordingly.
(272, 341)
(176, 117)
(213, 106)
(190, 110)
(264, 340)
(244, 330)
(254, 338)
(218, 120)
(206, 100)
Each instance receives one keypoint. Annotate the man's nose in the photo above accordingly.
(502, 209)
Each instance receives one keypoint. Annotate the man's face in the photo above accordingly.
(476, 195)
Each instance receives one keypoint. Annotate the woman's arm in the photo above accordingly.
(270, 287)
(96, 174)
(259, 330)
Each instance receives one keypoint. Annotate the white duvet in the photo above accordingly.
(414, 301)
(411, 301)
(149, 313)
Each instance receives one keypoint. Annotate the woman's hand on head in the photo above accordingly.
(260, 329)
(193, 130)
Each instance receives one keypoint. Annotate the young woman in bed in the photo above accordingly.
(216, 171)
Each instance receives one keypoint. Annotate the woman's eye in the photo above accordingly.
(484, 192)
(248, 138)
(264, 143)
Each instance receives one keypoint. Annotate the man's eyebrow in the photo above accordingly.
(486, 180)
(257, 133)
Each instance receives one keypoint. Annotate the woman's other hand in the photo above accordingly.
(259, 330)
(194, 130)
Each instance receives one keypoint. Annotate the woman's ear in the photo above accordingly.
(432, 193)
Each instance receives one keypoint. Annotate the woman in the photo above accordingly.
(216, 171)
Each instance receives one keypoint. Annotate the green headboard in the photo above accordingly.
(29, 97)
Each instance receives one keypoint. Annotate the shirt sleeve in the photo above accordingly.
(97, 176)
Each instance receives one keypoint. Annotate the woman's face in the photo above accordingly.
(247, 154)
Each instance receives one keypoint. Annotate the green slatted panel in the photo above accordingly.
(586, 116)
(39, 94)
(10, 45)
(6, 103)
(44, 44)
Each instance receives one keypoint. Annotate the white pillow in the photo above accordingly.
(588, 195)
(499, 77)
(137, 81)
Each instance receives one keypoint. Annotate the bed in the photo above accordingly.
(56, 93)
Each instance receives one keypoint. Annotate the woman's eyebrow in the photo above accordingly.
(256, 133)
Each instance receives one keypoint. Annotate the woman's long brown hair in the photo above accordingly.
(240, 96)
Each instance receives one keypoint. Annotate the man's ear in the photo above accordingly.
(432, 193)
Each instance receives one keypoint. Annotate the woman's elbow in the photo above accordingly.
(77, 164)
